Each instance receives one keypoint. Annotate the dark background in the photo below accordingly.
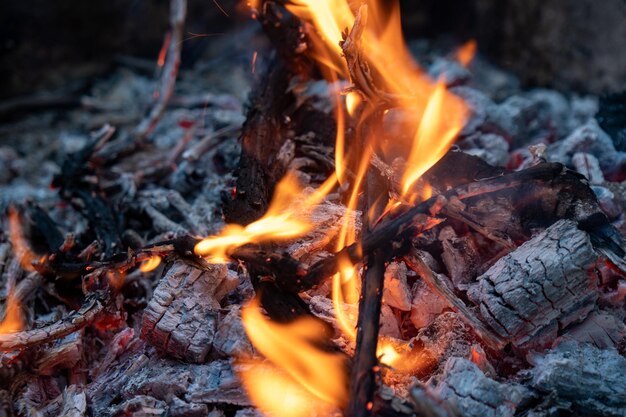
(572, 45)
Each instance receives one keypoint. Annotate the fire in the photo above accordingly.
(150, 264)
(433, 137)
(286, 218)
(466, 53)
(385, 78)
(21, 248)
(301, 369)
(13, 320)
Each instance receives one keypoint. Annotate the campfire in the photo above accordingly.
(370, 235)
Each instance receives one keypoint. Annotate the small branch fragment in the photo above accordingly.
(91, 309)
(169, 72)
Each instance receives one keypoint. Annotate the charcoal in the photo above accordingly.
(591, 139)
(600, 329)
(556, 108)
(447, 336)
(451, 72)
(583, 379)
(231, 339)
(164, 380)
(541, 287)
(589, 166)
(181, 318)
(481, 107)
(426, 305)
(140, 406)
(460, 256)
(467, 390)
(519, 117)
(491, 147)
(74, 402)
(397, 293)
(607, 202)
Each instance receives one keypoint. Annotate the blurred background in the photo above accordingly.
(571, 45)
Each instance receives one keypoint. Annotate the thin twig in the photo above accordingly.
(178, 11)
(93, 306)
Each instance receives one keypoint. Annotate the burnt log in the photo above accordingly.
(540, 288)
(181, 319)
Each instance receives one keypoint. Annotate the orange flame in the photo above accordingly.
(21, 248)
(294, 349)
(466, 53)
(150, 264)
(286, 218)
(13, 320)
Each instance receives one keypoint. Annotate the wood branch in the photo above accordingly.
(364, 374)
(561, 194)
(540, 288)
(91, 309)
(262, 136)
(440, 285)
(169, 72)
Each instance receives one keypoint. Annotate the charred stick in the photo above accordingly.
(439, 284)
(413, 221)
(178, 11)
(364, 371)
(91, 309)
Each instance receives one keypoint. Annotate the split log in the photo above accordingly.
(181, 318)
(542, 287)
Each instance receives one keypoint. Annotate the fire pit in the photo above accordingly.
(386, 227)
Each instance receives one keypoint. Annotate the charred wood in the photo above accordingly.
(540, 288)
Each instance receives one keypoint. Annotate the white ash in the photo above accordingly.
(590, 139)
(231, 339)
(397, 293)
(465, 388)
(600, 329)
(582, 379)
(589, 166)
(426, 306)
(491, 147)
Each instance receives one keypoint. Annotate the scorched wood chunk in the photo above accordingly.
(540, 288)
(181, 318)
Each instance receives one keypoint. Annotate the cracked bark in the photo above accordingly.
(540, 288)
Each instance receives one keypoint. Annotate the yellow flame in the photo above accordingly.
(434, 136)
(353, 99)
(150, 264)
(277, 394)
(286, 218)
(294, 348)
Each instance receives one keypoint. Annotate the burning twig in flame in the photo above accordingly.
(286, 218)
